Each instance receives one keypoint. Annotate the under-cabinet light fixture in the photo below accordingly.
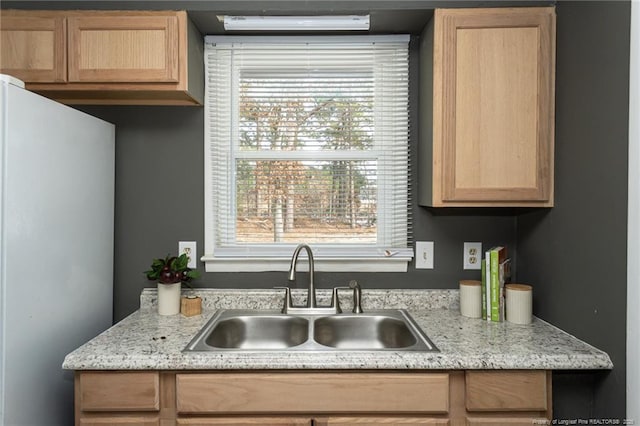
(296, 23)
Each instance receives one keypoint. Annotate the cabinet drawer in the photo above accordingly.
(379, 421)
(506, 421)
(312, 393)
(506, 390)
(108, 391)
(120, 421)
(242, 421)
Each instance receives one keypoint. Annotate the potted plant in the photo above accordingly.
(170, 273)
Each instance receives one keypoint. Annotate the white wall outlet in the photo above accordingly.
(471, 256)
(188, 247)
(424, 254)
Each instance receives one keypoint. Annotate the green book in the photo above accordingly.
(484, 290)
(487, 280)
(497, 256)
(504, 274)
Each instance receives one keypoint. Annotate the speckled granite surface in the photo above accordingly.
(145, 340)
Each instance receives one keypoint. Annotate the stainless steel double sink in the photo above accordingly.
(251, 330)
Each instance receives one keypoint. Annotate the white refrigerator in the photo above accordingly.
(56, 243)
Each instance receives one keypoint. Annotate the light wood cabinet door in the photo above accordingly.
(309, 392)
(507, 390)
(504, 421)
(120, 421)
(493, 107)
(118, 391)
(33, 46)
(105, 57)
(123, 48)
(379, 421)
(246, 421)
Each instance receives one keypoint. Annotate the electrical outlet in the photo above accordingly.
(424, 254)
(188, 247)
(471, 256)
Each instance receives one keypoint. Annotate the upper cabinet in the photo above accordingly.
(487, 138)
(34, 46)
(129, 49)
(99, 57)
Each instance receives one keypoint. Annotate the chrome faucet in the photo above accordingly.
(312, 306)
(311, 294)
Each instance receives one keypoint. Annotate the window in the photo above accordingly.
(307, 141)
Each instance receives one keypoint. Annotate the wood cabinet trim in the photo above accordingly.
(167, 395)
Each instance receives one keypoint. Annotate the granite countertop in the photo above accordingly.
(148, 341)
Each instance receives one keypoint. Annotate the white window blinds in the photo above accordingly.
(307, 141)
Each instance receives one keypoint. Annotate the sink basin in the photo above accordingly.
(247, 330)
(363, 332)
(259, 332)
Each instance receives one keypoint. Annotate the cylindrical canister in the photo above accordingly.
(518, 303)
(471, 298)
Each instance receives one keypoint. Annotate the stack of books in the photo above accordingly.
(496, 271)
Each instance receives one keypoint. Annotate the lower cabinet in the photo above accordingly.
(489, 392)
(320, 398)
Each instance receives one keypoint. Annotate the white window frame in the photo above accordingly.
(276, 257)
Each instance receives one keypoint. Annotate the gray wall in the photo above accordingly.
(159, 201)
(575, 253)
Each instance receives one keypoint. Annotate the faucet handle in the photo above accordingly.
(357, 296)
(335, 301)
(288, 303)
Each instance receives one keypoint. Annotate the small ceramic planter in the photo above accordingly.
(169, 298)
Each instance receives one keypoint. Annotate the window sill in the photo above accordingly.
(260, 264)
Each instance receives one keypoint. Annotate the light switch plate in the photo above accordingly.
(471, 256)
(424, 254)
(188, 247)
